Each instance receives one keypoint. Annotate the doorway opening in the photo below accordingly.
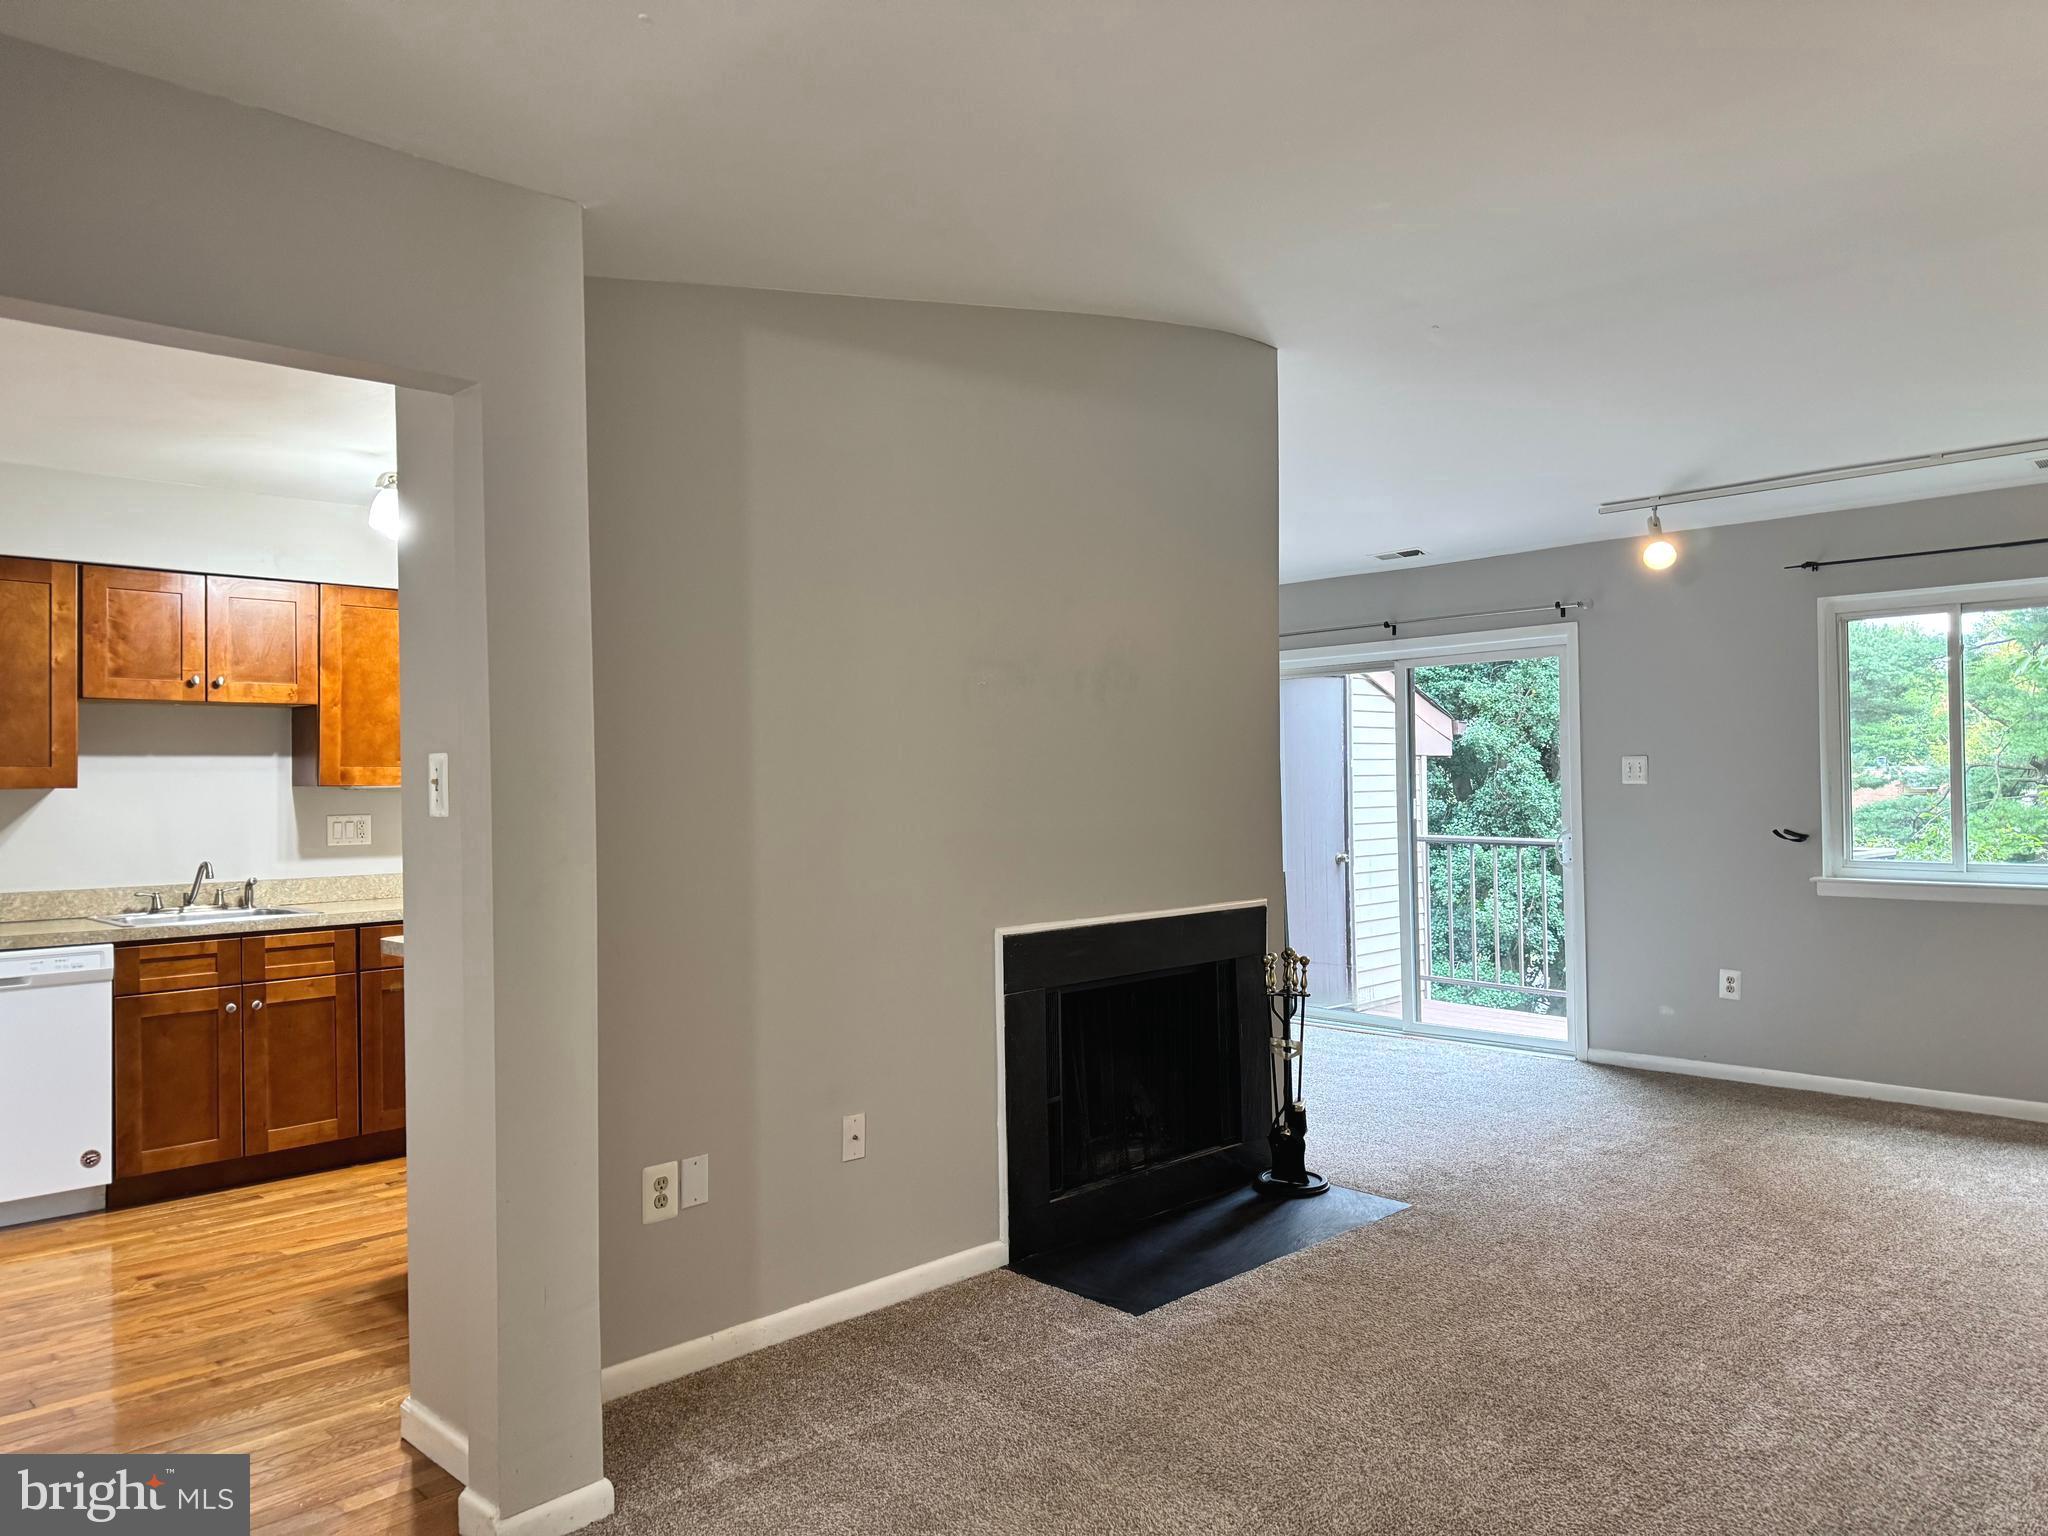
(1429, 796)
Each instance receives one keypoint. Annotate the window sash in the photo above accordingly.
(1839, 849)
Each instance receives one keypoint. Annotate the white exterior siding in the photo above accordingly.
(1375, 852)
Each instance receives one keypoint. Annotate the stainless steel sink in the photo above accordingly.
(194, 917)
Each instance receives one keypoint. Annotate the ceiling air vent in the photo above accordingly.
(1401, 554)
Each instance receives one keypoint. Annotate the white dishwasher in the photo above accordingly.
(56, 1079)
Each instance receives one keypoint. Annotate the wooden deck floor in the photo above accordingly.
(269, 1320)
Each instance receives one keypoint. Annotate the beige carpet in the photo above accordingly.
(1621, 1303)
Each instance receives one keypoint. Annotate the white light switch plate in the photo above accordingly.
(697, 1179)
(437, 783)
(348, 831)
(658, 1193)
(853, 1138)
(1635, 770)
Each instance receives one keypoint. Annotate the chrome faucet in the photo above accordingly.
(205, 874)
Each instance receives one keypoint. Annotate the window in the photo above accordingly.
(1934, 739)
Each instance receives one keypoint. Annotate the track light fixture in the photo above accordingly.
(1659, 553)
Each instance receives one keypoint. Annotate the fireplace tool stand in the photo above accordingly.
(1287, 996)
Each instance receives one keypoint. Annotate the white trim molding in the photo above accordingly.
(434, 1438)
(476, 1515)
(1840, 1087)
(1932, 890)
(692, 1355)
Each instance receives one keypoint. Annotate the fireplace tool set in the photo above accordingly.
(1287, 996)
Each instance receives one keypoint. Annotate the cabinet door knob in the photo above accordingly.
(231, 1008)
(192, 681)
(255, 1005)
(221, 681)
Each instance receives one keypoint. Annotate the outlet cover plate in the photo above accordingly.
(348, 831)
(853, 1138)
(1730, 990)
(658, 1193)
(696, 1179)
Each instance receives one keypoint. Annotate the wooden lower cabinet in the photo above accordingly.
(177, 1079)
(299, 1063)
(383, 1047)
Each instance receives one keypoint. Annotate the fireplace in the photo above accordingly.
(1135, 1069)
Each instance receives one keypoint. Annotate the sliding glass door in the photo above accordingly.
(1431, 876)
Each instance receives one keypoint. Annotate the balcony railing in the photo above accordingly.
(1498, 910)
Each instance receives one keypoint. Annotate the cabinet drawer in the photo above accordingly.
(292, 956)
(299, 1063)
(370, 954)
(184, 966)
(177, 1079)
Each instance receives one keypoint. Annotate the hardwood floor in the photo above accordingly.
(269, 1320)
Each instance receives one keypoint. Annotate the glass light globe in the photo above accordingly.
(386, 515)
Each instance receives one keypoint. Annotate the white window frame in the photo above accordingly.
(1842, 874)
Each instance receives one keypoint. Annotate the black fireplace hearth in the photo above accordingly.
(1136, 1070)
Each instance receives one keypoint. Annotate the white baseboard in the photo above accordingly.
(651, 1370)
(1841, 1087)
(434, 1438)
(476, 1515)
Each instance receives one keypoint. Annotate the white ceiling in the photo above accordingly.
(1519, 257)
(107, 406)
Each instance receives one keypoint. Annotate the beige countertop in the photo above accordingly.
(57, 932)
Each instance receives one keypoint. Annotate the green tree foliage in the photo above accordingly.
(1500, 780)
(1899, 736)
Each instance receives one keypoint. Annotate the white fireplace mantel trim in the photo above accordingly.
(1002, 1070)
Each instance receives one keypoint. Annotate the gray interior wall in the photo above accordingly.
(156, 212)
(1712, 669)
(912, 621)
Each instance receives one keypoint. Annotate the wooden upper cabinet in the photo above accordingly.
(142, 635)
(38, 674)
(262, 641)
(351, 740)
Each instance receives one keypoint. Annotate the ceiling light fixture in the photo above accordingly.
(1659, 554)
(386, 516)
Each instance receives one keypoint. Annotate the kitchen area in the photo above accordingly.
(202, 977)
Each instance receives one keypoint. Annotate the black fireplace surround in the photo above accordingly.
(1136, 1070)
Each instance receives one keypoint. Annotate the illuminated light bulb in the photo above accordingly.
(1659, 554)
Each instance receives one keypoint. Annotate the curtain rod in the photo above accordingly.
(1392, 626)
(1826, 476)
(1915, 554)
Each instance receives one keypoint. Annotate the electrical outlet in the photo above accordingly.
(1731, 987)
(658, 1193)
(853, 1138)
(1635, 770)
(348, 831)
(697, 1179)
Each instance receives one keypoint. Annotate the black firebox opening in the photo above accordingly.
(1139, 1073)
